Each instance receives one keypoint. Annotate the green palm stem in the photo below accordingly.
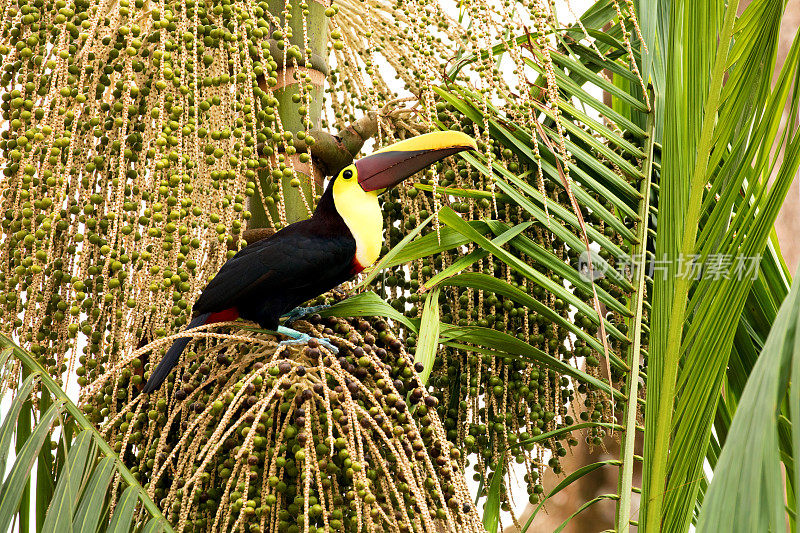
(634, 357)
(288, 110)
(330, 152)
(660, 409)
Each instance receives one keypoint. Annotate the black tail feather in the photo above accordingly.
(171, 357)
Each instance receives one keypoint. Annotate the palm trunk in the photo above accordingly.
(288, 86)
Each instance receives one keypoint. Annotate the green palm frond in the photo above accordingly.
(716, 184)
(611, 164)
(707, 195)
(751, 456)
(85, 487)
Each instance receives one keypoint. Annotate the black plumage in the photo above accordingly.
(270, 277)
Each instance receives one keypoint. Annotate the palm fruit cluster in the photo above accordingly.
(492, 404)
(252, 436)
(496, 406)
(141, 138)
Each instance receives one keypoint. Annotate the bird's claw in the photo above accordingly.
(328, 346)
(299, 312)
(303, 338)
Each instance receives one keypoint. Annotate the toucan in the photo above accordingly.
(268, 279)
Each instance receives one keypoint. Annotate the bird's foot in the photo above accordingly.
(297, 337)
(299, 312)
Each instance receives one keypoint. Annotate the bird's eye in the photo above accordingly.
(347, 174)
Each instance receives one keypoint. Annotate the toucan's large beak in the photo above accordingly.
(391, 165)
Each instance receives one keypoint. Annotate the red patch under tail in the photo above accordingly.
(227, 315)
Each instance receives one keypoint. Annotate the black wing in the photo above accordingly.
(291, 264)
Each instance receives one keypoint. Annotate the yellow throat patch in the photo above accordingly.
(362, 214)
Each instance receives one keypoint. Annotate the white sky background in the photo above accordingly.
(566, 13)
